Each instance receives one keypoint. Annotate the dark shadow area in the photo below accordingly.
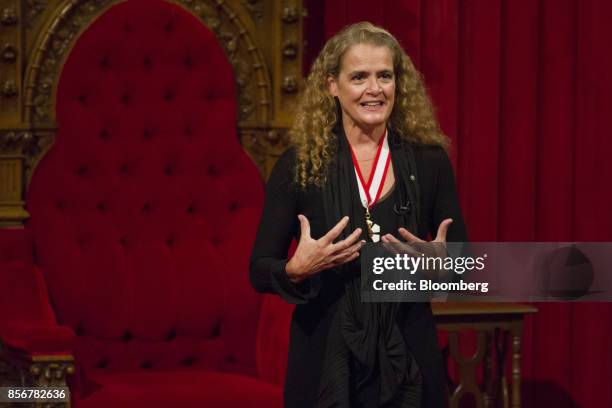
(537, 394)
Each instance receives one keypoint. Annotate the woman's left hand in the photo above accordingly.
(411, 238)
(417, 246)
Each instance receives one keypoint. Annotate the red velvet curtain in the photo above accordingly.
(522, 88)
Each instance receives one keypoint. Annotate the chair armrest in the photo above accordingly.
(31, 341)
(273, 339)
(15, 245)
(27, 321)
(38, 340)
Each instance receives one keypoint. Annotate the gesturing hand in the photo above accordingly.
(435, 248)
(314, 255)
(410, 238)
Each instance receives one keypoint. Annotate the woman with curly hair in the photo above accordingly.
(367, 164)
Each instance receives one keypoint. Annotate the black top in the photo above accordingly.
(313, 315)
(382, 213)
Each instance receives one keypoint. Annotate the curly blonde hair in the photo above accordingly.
(412, 116)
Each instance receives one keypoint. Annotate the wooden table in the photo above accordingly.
(493, 323)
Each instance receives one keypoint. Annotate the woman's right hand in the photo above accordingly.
(314, 255)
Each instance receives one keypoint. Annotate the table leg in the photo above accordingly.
(516, 368)
(488, 376)
(468, 367)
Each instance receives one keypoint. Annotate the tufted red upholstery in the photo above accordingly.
(144, 211)
(195, 389)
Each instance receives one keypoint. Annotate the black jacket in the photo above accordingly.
(313, 315)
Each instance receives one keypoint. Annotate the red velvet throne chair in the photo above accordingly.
(130, 278)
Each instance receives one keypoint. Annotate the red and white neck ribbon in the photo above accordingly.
(369, 192)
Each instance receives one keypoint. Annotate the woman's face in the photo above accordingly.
(365, 86)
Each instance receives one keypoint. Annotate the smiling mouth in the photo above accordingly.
(374, 105)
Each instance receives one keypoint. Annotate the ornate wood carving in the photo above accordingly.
(8, 53)
(11, 185)
(255, 9)
(45, 67)
(9, 89)
(10, 73)
(290, 50)
(288, 59)
(8, 373)
(34, 9)
(23, 370)
(264, 146)
(18, 142)
(28, 145)
(250, 72)
(8, 16)
(12, 141)
(290, 84)
(51, 373)
(290, 13)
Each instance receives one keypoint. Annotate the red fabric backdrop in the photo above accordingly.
(521, 87)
